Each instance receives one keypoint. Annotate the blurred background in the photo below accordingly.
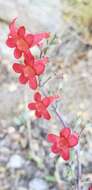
(25, 159)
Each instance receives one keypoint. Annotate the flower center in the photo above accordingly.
(22, 44)
(28, 70)
(63, 142)
(40, 106)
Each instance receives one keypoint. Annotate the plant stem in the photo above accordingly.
(28, 121)
(59, 116)
(78, 169)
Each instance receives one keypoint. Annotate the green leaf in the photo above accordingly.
(50, 178)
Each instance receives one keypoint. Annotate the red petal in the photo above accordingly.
(65, 154)
(13, 29)
(52, 138)
(55, 149)
(29, 58)
(48, 100)
(29, 39)
(39, 65)
(73, 140)
(46, 115)
(23, 79)
(90, 188)
(33, 82)
(65, 132)
(38, 37)
(18, 68)
(32, 106)
(10, 42)
(38, 114)
(21, 31)
(17, 53)
(37, 96)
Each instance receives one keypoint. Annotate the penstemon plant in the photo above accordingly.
(29, 70)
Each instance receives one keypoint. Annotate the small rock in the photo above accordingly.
(11, 130)
(55, 188)
(16, 161)
(4, 155)
(22, 188)
(38, 183)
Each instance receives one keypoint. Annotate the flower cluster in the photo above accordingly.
(29, 71)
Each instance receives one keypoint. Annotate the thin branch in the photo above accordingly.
(78, 169)
(28, 121)
(59, 116)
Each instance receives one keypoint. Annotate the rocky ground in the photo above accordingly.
(27, 167)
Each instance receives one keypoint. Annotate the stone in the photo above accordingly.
(22, 188)
(16, 162)
(38, 183)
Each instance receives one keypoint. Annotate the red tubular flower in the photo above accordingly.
(21, 41)
(40, 105)
(30, 70)
(90, 188)
(63, 142)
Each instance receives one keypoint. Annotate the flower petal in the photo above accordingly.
(38, 114)
(54, 148)
(38, 37)
(73, 140)
(37, 96)
(18, 68)
(32, 106)
(29, 58)
(10, 42)
(12, 27)
(65, 132)
(33, 82)
(39, 65)
(48, 100)
(23, 79)
(65, 154)
(46, 114)
(17, 53)
(52, 138)
(21, 31)
(29, 39)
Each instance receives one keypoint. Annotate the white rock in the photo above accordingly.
(38, 183)
(16, 161)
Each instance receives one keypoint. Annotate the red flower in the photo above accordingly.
(63, 142)
(41, 105)
(30, 70)
(90, 188)
(21, 41)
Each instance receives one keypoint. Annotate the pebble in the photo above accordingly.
(16, 162)
(38, 183)
(22, 188)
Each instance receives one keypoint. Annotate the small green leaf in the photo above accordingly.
(50, 178)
